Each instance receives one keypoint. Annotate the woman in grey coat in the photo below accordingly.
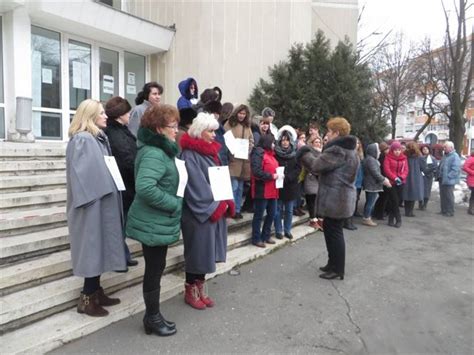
(94, 208)
(336, 167)
(203, 220)
(414, 186)
(150, 95)
(373, 181)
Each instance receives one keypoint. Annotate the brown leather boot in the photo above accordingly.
(105, 300)
(89, 305)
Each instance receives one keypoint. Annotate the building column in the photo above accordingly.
(18, 77)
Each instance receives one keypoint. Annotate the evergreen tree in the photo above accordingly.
(316, 83)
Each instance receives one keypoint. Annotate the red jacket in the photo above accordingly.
(394, 167)
(469, 169)
(264, 165)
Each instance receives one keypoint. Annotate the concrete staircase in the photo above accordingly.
(38, 291)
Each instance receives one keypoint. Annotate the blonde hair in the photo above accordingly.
(85, 118)
(339, 124)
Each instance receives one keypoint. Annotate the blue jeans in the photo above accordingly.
(237, 190)
(370, 199)
(260, 205)
(287, 206)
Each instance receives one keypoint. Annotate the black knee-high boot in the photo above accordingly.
(153, 321)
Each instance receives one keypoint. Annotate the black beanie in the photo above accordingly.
(186, 116)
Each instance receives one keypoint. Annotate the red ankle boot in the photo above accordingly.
(202, 292)
(193, 297)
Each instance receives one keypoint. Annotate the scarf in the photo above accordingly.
(202, 147)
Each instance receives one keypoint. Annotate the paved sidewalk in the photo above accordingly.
(406, 291)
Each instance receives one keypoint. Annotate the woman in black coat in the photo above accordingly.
(429, 172)
(285, 151)
(124, 149)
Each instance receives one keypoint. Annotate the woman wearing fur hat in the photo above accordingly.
(203, 221)
(124, 149)
(239, 125)
(336, 167)
(395, 168)
(285, 151)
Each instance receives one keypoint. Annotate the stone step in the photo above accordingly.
(20, 222)
(33, 244)
(15, 277)
(32, 167)
(68, 325)
(31, 182)
(31, 199)
(38, 150)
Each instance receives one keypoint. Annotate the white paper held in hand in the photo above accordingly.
(221, 187)
(241, 148)
(115, 172)
(280, 171)
(230, 141)
(183, 176)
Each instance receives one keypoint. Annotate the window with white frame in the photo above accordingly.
(46, 83)
(94, 70)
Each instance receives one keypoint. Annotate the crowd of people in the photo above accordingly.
(278, 170)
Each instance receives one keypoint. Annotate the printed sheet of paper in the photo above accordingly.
(115, 172)
(219, 177)
(241, 148)
(281, 177)
(183, 176)
(230, 141)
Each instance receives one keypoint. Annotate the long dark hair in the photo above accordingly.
(266, 141)
(234, 121)
(143, 95)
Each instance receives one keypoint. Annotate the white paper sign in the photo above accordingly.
(241, 148)
(108, 84)
(281, 177)
(183, 176)
(115, 172)
(47, 76)
(131, 89)
(230, 141)
(81, 75)
(221, 187)
(131, 78)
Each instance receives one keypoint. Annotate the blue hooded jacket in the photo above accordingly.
(185, 100)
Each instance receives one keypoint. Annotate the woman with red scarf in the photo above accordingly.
(395, 167)
(203, 220)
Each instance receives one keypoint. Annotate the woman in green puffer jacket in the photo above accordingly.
(155, 215)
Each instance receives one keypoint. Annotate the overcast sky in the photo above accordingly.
(416, 18)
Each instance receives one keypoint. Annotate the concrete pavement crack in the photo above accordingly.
(349, 316)
(328, 348)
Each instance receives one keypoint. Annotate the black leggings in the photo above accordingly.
(155, 263)
(91, 285)
(191, 278)
(311, 201)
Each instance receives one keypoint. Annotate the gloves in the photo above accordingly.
(302, 151)
(219, 212)
(398, 181)
(230, 209)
